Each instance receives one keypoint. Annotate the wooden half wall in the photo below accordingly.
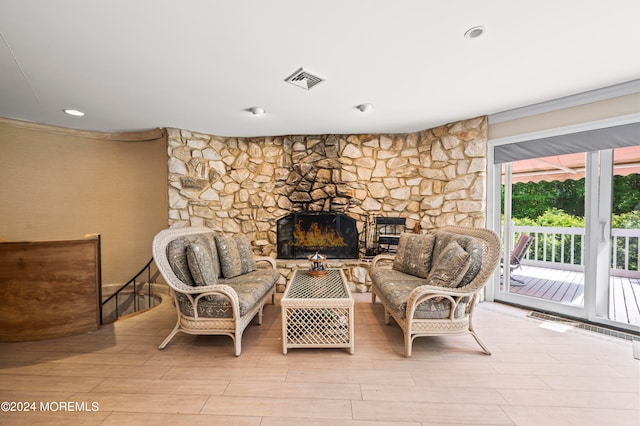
(49, 289)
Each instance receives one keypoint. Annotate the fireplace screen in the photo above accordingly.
(332, 234)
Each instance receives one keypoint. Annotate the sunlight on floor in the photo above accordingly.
(554, 326)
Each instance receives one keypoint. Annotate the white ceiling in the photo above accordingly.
(200, 64)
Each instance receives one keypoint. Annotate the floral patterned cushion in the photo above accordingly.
(384, 277)
(449, 267)
(471, 245)
(230, 261)
(414, 254)
(455, 261)
(177, 255)
(250, 287)
(247, 261)
(213, 250)
(201, 265)
(440, 308)
(395, 287)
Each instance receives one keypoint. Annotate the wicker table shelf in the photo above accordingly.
(317, 312)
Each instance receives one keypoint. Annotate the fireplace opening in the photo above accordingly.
(334, 235)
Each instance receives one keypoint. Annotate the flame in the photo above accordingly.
(316, 237)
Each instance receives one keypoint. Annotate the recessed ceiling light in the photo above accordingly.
(364, 107)
(475, 32)
(74, 112)
(256, 110)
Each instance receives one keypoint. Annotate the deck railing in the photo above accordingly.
(563, 248)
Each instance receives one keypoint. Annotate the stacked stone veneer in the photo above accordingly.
(434, 178)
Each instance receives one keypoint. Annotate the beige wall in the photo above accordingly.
(610, 108)
(57, 186)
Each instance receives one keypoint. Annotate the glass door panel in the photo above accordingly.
(544, 230)
(581, 214)
(624, 258)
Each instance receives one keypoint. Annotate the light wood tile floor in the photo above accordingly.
(538, 374)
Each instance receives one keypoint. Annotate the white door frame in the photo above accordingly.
(597, 218)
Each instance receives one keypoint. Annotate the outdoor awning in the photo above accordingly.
(572, 166)
(562, 157)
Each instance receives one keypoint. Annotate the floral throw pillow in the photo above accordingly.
(247, 261)
(414, 254)
(229, 256)
(201, 265)
(450, 266)
(177, 256)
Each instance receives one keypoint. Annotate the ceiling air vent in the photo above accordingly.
(303, 78)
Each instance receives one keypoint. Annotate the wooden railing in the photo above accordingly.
(563, 248)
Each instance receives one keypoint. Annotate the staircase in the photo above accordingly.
(140, 293)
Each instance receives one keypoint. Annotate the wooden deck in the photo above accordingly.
(568, 287)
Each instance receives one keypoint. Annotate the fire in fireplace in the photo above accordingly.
(332, 234)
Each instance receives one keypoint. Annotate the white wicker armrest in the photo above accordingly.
(433, 289)
(267, 259)
(425, 292)
(217, 290)
(381, 258)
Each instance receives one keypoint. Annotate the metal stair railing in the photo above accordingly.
(136, 290)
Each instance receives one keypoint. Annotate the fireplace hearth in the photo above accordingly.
(334, 235)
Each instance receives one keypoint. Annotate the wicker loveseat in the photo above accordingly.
(217, 283)
(434, 281)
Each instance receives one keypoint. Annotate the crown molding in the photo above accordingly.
(139, 136)
(574, 128)
(622, 89)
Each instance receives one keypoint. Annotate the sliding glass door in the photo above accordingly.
(570, 225)
(621, 295)
(544, 228)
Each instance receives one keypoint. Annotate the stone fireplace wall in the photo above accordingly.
(434, 178)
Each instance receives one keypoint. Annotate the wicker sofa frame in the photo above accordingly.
(451, 325)
(198, 325)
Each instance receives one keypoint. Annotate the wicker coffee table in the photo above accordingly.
(317, 312)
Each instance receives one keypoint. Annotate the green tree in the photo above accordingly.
(626, 193)
(532, 199)
(561, 204)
